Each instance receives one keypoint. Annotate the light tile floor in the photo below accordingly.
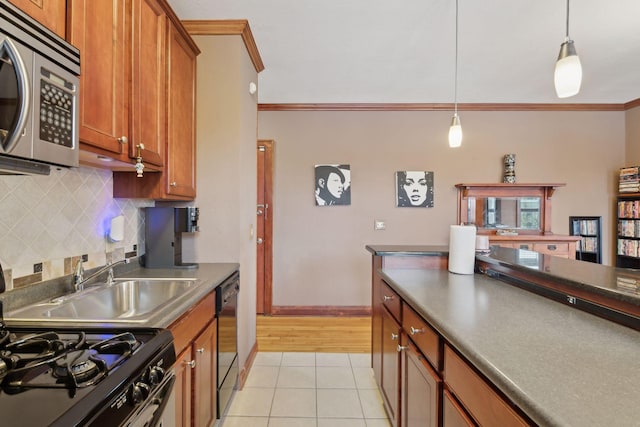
(308, 390)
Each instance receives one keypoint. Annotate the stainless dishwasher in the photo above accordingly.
(226, 312)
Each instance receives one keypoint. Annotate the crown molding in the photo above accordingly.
(440, 107)
(227, 27)
(632, 104)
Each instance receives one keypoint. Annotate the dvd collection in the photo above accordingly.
(629, 180)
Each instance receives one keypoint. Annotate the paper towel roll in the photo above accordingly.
(462, 249)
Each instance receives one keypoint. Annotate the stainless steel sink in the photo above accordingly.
(125, 301)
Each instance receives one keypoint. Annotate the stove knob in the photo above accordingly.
(156, 374)
(139, 392)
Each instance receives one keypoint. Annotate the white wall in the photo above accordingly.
(226, 170)
(319, 255)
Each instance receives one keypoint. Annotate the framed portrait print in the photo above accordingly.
(332, 185)
(414, 189)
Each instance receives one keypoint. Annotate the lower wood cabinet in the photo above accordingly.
(421, 389)
(195, 340)
(390, 384)
(452, 413)
(182, 389)
(423, 381)
(486, 406)
(204, 376)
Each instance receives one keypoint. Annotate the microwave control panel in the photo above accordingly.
(56, 109)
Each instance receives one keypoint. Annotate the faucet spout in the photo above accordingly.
(79, 280)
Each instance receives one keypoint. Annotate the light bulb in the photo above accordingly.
(455, 132)
(568, 74)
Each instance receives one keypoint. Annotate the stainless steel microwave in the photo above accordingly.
(38, 96)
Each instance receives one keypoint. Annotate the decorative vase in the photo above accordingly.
(509, 169)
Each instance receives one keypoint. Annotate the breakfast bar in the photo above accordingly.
(550, 363)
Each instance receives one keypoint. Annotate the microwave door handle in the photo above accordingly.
(9, 49)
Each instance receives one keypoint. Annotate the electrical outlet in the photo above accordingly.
(37, 268)
(379, 225)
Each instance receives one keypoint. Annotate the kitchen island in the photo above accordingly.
(548, 362)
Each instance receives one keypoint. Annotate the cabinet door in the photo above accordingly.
(376, 320)
(181, 145)
(204, 379)
(390, 366)
(148, 79)
(183, 369)
(452, 414)
(420, 389)
(100, 29)
(50, 13)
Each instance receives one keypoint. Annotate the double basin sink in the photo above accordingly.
(123, 301)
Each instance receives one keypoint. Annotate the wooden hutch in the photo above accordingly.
(515, 216)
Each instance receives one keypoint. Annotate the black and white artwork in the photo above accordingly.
(333, 185)
(414, 189)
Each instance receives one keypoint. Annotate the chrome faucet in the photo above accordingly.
(78, 276)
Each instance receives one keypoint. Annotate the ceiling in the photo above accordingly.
(403, 51)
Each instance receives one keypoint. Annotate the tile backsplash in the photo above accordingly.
(47, 222)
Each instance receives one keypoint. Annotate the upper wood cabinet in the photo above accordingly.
(50, 13)
(181, 123)
(101, 30)
(148, 81)
(173, 122)
(122, 81)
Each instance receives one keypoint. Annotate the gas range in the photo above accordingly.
(84, 376)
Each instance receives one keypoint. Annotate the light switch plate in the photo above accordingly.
(379, 225)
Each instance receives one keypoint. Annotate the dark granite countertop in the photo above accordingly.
(408, 250)
(562, 366)
(595, 278)
(588, 276)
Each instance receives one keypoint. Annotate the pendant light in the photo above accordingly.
(568, 74)
(455, 130)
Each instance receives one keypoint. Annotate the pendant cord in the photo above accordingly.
(455, 84)
(567, 35)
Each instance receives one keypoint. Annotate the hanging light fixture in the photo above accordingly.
(455, 130)
(568, 74)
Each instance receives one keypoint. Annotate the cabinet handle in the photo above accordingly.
(123, 140)
(200, 350)
(402, 347)
(551, 247)
(173, 184)
(387, 298)
(394, 336)
(415, 331)
(191, 364)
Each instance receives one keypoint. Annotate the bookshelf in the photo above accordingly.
(628, 230)
(589, 228)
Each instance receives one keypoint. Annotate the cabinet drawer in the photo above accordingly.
(425, 338)
(483, 403)
(391, 300)
(187, 327)
(552, 248)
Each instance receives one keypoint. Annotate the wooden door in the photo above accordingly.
(420, 389)
(182, 391)
(181, 144)
(50, 13)
(204, 379)
(148, 79)
(264, 221)
(100, 30)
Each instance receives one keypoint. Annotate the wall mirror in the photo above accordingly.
(495, 213)
(523, 208)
